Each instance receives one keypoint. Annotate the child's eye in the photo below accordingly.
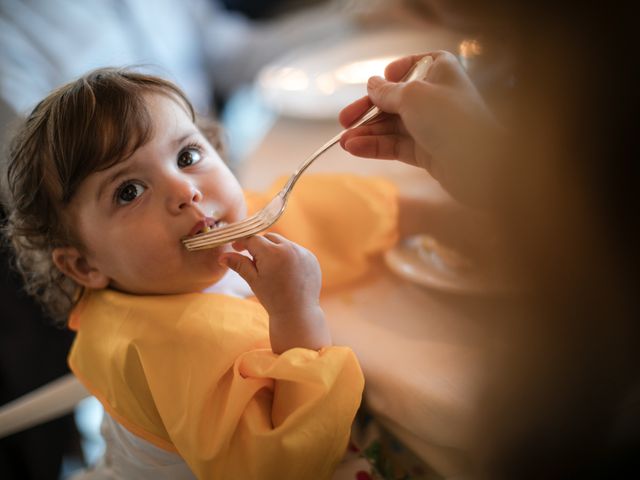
(189, 156)
(128, 192)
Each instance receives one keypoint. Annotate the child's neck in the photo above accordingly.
(230, 284)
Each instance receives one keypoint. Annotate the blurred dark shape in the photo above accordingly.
(564, 401)
(260, 10)
(32, 353)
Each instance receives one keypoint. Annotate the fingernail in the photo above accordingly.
(375, 82)
(346, 145)
(343, 140)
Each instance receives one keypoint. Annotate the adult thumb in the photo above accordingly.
(384, 94)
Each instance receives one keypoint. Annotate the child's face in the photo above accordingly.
(131, 217)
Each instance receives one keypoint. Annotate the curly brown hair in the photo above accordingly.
(85, 126)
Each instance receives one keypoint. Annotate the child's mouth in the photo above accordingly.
(206, 225)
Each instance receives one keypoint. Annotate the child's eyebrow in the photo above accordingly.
(180, 140)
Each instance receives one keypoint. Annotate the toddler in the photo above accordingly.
(106, 176)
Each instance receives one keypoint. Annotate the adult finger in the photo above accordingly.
(398, 68)
(386, 95)
(387, 126)
(353, 111)
(393, 72)
(447, 70)
(240, 264)
(385, 147)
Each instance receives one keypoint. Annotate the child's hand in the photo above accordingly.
(286, 279)
(441, 124)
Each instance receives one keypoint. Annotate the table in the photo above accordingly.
(419, 348)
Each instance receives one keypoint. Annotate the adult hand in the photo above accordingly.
(440, 123)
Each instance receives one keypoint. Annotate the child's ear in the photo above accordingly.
(74, 264)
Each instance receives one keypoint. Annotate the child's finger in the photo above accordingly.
(275, 238)
(239, 245)
(240, 264)
(256, 245)
(248, 243)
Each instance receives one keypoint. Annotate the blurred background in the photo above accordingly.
(247, 63)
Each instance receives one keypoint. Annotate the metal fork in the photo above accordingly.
(266, 217)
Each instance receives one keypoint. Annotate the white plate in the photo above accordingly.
(410, 260)
(317, 81)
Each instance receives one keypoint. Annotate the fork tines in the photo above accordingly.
(223, 235)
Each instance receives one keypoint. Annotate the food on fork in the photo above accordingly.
(205, 226)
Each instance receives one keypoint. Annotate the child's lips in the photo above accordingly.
(205, 225)
(197, 228)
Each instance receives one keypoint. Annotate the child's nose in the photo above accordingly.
(183, 194)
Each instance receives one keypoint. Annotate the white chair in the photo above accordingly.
(48, 402)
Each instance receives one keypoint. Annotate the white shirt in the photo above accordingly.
(44, 44)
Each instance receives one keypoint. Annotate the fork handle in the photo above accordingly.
(367, 117)
(294, 178)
